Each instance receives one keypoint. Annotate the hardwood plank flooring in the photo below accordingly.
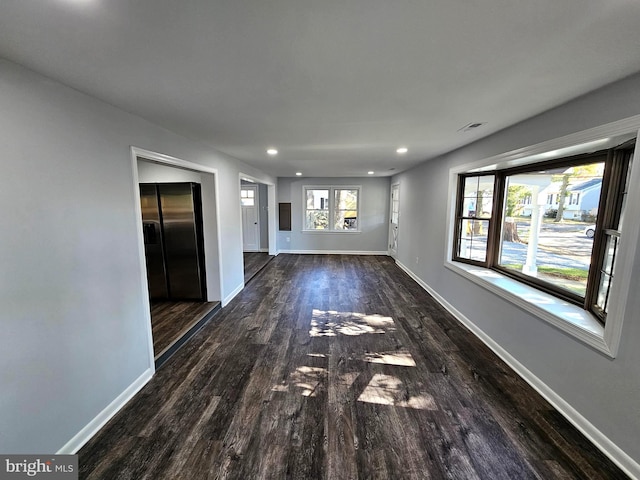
(171, 320)
(254, 262)
(338, 367)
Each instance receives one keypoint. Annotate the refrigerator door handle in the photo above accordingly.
(150, 232)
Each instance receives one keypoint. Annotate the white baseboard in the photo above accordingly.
(232, 295)
(601, 441)
(335, 252)
(89, 430)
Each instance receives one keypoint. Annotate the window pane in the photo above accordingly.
(603, 292)
(317, 220)
(607, 272)
(624, 194)
(610, 254)
(346, 209)
(317, 199)
(478, 196)
(473, 241)
(246, 198)
(317, 209)
(545, 239)
(395, 205)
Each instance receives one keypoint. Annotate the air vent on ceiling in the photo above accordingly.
(471, 126)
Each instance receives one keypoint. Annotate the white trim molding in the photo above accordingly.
(232, 295)
(601, 441)
(336, 252)
(331, 208)
(161, 158)
(100, 420)
(573, 320)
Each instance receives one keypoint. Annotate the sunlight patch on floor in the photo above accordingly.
(389, 390)
(305, 378)
(400, 358)
(331, 323)
(316, 355)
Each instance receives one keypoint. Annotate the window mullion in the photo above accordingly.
(495, 222)
(614, 183)
(332, 201)
(597, 253)
(458, 217)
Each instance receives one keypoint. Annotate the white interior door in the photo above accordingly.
(394, 219)
(250, 226)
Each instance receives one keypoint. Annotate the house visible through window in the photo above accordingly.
(331, 208)
(547, 243)
(553, 225)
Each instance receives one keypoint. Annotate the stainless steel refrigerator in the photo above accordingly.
(173, 240)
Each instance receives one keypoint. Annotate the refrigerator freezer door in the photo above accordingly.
(151, 227)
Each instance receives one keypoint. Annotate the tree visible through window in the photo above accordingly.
(551, 246)
(331, 208)
(475, 212)
(317, 209)
(553, 225)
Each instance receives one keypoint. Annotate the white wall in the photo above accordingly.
(373, 217)
(74, 316)
(605, 391)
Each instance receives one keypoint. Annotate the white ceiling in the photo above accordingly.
(335, 85)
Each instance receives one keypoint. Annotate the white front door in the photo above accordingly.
(250, 227)
(394, 219)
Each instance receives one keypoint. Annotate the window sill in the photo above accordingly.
(565, 316)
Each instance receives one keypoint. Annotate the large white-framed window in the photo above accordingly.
(617, 246)
(331, 208)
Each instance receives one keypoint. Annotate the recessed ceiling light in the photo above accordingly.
(298, 174)
(402, 150)
(371, 173)
(272, 151)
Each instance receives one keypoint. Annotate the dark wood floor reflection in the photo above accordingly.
(254, 262)
(338, 367)
(171, 320)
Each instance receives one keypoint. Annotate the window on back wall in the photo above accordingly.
(332, 209)
(553, 225)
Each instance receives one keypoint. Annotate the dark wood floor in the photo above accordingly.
(254, 262)
(171, 320)
(338, 367)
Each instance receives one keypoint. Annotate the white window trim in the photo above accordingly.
(331, 189)
(567, 317)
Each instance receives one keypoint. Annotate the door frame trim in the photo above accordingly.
(178, 163)
(271, 209)
(256, 188)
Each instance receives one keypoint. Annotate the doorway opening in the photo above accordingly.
(181, 255)
(256, 229)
